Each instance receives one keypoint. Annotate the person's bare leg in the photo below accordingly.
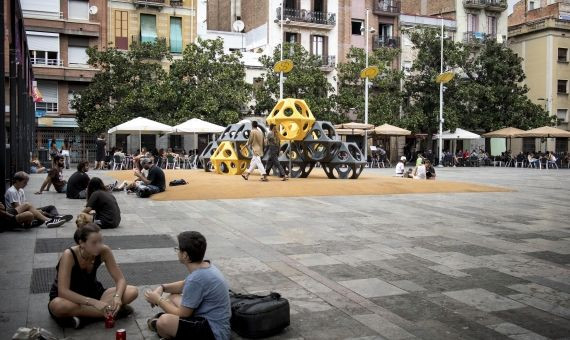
(25, 218)
(62, 308)
(28, 207)
(167, 325)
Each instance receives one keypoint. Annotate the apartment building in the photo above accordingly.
(146, 20)
(312, 23)
(383, 19)
(539, 32)
(58, 33)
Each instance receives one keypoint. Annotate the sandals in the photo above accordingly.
(151, 323)
(244, 177)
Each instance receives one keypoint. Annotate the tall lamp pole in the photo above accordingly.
(366, 93)
(440, 154)
(281, 59)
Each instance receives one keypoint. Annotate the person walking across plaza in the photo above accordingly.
(66, 153)
(100, 154)
(273, 145)
(255, 141)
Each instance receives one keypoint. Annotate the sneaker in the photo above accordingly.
(36, 223)
(66, 218)
(72, 322)
(76, 322)
(55, 222)
(151, 323)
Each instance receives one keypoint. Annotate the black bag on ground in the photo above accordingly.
(257, 316)
(176, 182)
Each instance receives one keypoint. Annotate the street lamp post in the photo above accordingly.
(366, 92)
(440, 149)
(281, 59)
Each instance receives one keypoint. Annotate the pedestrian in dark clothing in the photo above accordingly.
(273, 145)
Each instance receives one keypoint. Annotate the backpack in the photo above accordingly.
(258, 316)
(176, 182)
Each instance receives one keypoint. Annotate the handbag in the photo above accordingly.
(259, 316)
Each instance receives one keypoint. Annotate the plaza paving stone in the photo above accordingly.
(427, 266)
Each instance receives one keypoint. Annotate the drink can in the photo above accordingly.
(121, 334)
(109, 321)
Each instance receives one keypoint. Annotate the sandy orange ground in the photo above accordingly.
(204, 185)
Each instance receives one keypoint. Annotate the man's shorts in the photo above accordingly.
(194, 328)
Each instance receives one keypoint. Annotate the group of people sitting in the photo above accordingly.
(197, 307)
(423, 169)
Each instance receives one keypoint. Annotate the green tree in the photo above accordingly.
(128, 85)
(493, 94)
(421, 90)
(208, 84)
(306, 81)
(384, 97)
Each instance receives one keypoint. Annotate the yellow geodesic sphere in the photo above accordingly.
(293, 119)
(225, 160)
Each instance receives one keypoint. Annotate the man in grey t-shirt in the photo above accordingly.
(198, 307)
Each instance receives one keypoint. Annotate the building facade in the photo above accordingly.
(539, 33)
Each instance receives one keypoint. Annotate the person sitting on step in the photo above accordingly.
(101, 208)
(76, 296)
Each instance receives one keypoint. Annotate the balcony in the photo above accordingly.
(306, 18)
(385, 41)
(496, 5)
(387, 7)
(474, 38)
(46, 62)
(150, 3)
(475, 4)
(327, 62)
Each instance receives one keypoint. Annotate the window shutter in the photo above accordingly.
(312, 43)
(77, 55)
(48, 89)
(78, 9)
(48, 6)
(42, 42)
(325, 47)
(175, 35)
(148, 28)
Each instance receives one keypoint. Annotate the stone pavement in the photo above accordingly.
(435, 266)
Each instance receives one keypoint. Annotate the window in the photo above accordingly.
(562, 114)
(148, 28)
(357, 26)
(319, 5)
(492, 26)
(48, 89)
(291, 4)
(386, 30)
(561, 145)
(175, 35)
(472, 23)
(44, 8)
(78, 9)
(44, 48)
(529, 145)
(292, 37)
(318, 45)
(406, 67)
(563, 55)
(77, 51)
(257, 82)
(562, 86)
(531, 5)
(122, 30)
(46, 58)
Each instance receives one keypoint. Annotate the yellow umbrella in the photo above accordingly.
(391, 130)
(545, 132)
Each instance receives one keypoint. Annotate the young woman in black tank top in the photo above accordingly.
(76, 293)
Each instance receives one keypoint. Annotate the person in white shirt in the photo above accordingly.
(420, 172)
(400, 167)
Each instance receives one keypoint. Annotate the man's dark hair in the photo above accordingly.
(20, 176)
(57, 158)
(194, 244)
(81, 165)
(254, 124)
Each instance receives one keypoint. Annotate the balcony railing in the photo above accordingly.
(385, 41)
(387, 7)
(327, 61)
(46, 62)
(306, 16)
(474, 3)
(496, 5)
(151, 3)
(474, 37)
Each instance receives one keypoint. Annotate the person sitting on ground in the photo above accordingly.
(155, 181)
(16, 204)
(419, 172)
(76, 295)
(36, 166)
(101, 208)
(77, 184)
(19, 220)
(197, 307)
(55, 177)
(53, 151)
(400, 167)
(430, 170)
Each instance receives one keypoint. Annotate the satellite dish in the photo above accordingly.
(93, 10)
(238, 26)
